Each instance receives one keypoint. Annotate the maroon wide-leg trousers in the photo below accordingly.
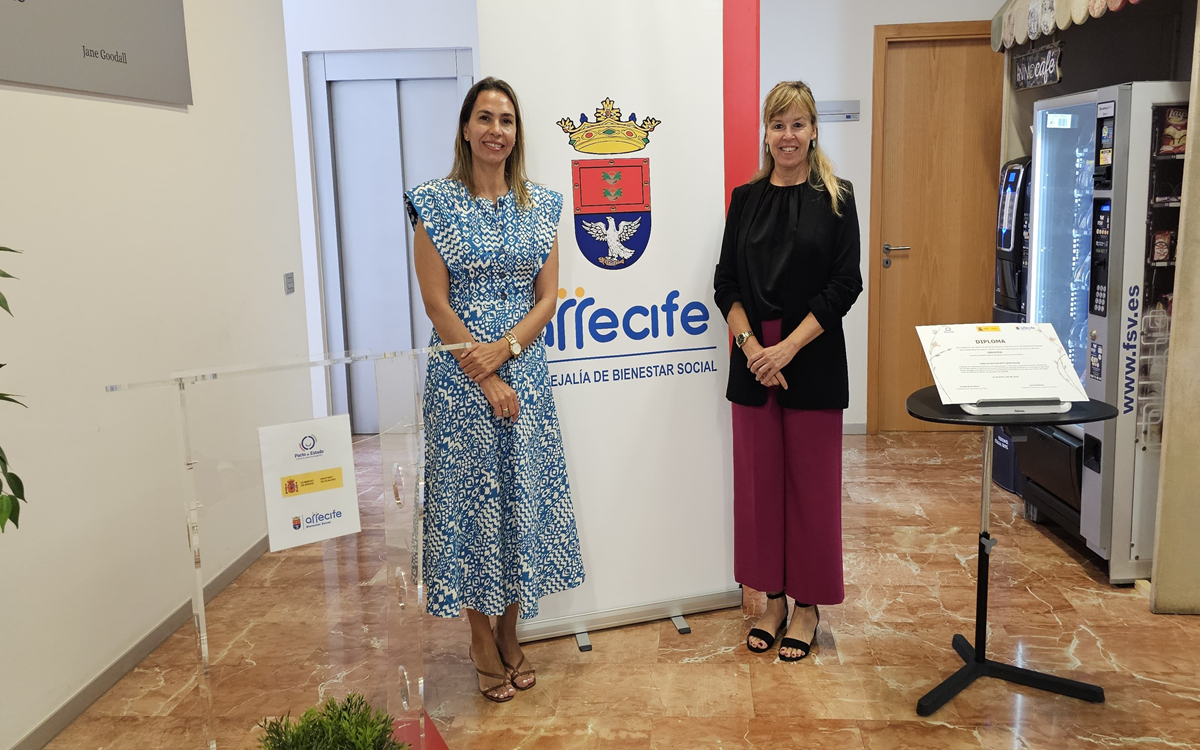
(787, 497)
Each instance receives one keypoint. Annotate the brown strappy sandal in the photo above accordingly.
(515, 673)
(487, 692)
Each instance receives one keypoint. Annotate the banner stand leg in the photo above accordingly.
(681, 625)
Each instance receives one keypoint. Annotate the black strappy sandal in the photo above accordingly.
(804, 648)
(764, 636)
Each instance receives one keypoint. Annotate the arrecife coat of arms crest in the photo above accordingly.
(611, 196)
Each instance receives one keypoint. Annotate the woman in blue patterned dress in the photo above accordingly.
(499, 529)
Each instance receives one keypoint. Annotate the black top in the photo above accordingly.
(927, 406)
(771, 247)
(785, 254)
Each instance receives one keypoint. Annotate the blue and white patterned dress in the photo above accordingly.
(499, 526)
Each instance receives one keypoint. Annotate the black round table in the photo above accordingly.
(927, 406)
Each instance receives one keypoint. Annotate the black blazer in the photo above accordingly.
(826, 281)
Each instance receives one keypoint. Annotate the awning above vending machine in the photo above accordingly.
(1019, 21)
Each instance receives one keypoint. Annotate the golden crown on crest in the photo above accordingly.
(609, 134)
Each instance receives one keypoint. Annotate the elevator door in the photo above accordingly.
(385, 135)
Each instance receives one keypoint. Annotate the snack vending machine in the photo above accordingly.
(1107, 177)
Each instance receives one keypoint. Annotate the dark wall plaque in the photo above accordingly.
(1038, 68)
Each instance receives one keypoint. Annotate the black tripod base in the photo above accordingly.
(973, 670)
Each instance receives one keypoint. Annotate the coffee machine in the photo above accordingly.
(1012, 242)
(1012, 266)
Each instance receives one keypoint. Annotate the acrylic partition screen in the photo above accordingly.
(318, 620)
(1060, 253)
(399, 449)
(446, 684)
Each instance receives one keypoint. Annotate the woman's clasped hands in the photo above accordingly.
(480, 365)
(768, 362)
(481, 360)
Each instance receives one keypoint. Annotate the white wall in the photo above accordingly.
(155, 240)
(340, 25)
(830, 46)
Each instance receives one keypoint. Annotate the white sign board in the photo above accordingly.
(846, 110)
(308, 475)
(1000, 362)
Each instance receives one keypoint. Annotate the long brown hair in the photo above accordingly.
(514, 166)
(784, 96)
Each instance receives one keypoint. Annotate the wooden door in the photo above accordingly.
(935, 171)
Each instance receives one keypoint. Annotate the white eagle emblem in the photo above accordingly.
(614, 235)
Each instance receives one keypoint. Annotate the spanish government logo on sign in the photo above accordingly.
(611, 196)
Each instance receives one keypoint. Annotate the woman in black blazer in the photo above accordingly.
(788, 274)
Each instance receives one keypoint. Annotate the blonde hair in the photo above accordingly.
(784, 96)
(514, 166)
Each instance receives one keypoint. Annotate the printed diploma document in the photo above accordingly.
(1000, 362)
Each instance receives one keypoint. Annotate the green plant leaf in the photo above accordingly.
(4, 304)
(8, 397)
(9, 250)
(14, 512)
(6, 503)
(3, 460)
(350, 724)
(15, 485)
(6, 275)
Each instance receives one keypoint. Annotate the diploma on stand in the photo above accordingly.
(1001, 368)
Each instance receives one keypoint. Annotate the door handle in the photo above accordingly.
(889, 248)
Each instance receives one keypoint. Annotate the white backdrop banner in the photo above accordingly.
(625, 120)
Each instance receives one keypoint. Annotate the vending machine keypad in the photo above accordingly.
(1101, 227)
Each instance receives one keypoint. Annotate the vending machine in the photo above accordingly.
(1107, 174)
(1012, 266)
(1012, 238)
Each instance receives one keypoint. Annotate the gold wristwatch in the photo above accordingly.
(742, 338)
(514, 346)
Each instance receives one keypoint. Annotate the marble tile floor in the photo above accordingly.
(313, 622)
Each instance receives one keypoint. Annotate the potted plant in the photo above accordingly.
(12, 491)
(350, 724)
